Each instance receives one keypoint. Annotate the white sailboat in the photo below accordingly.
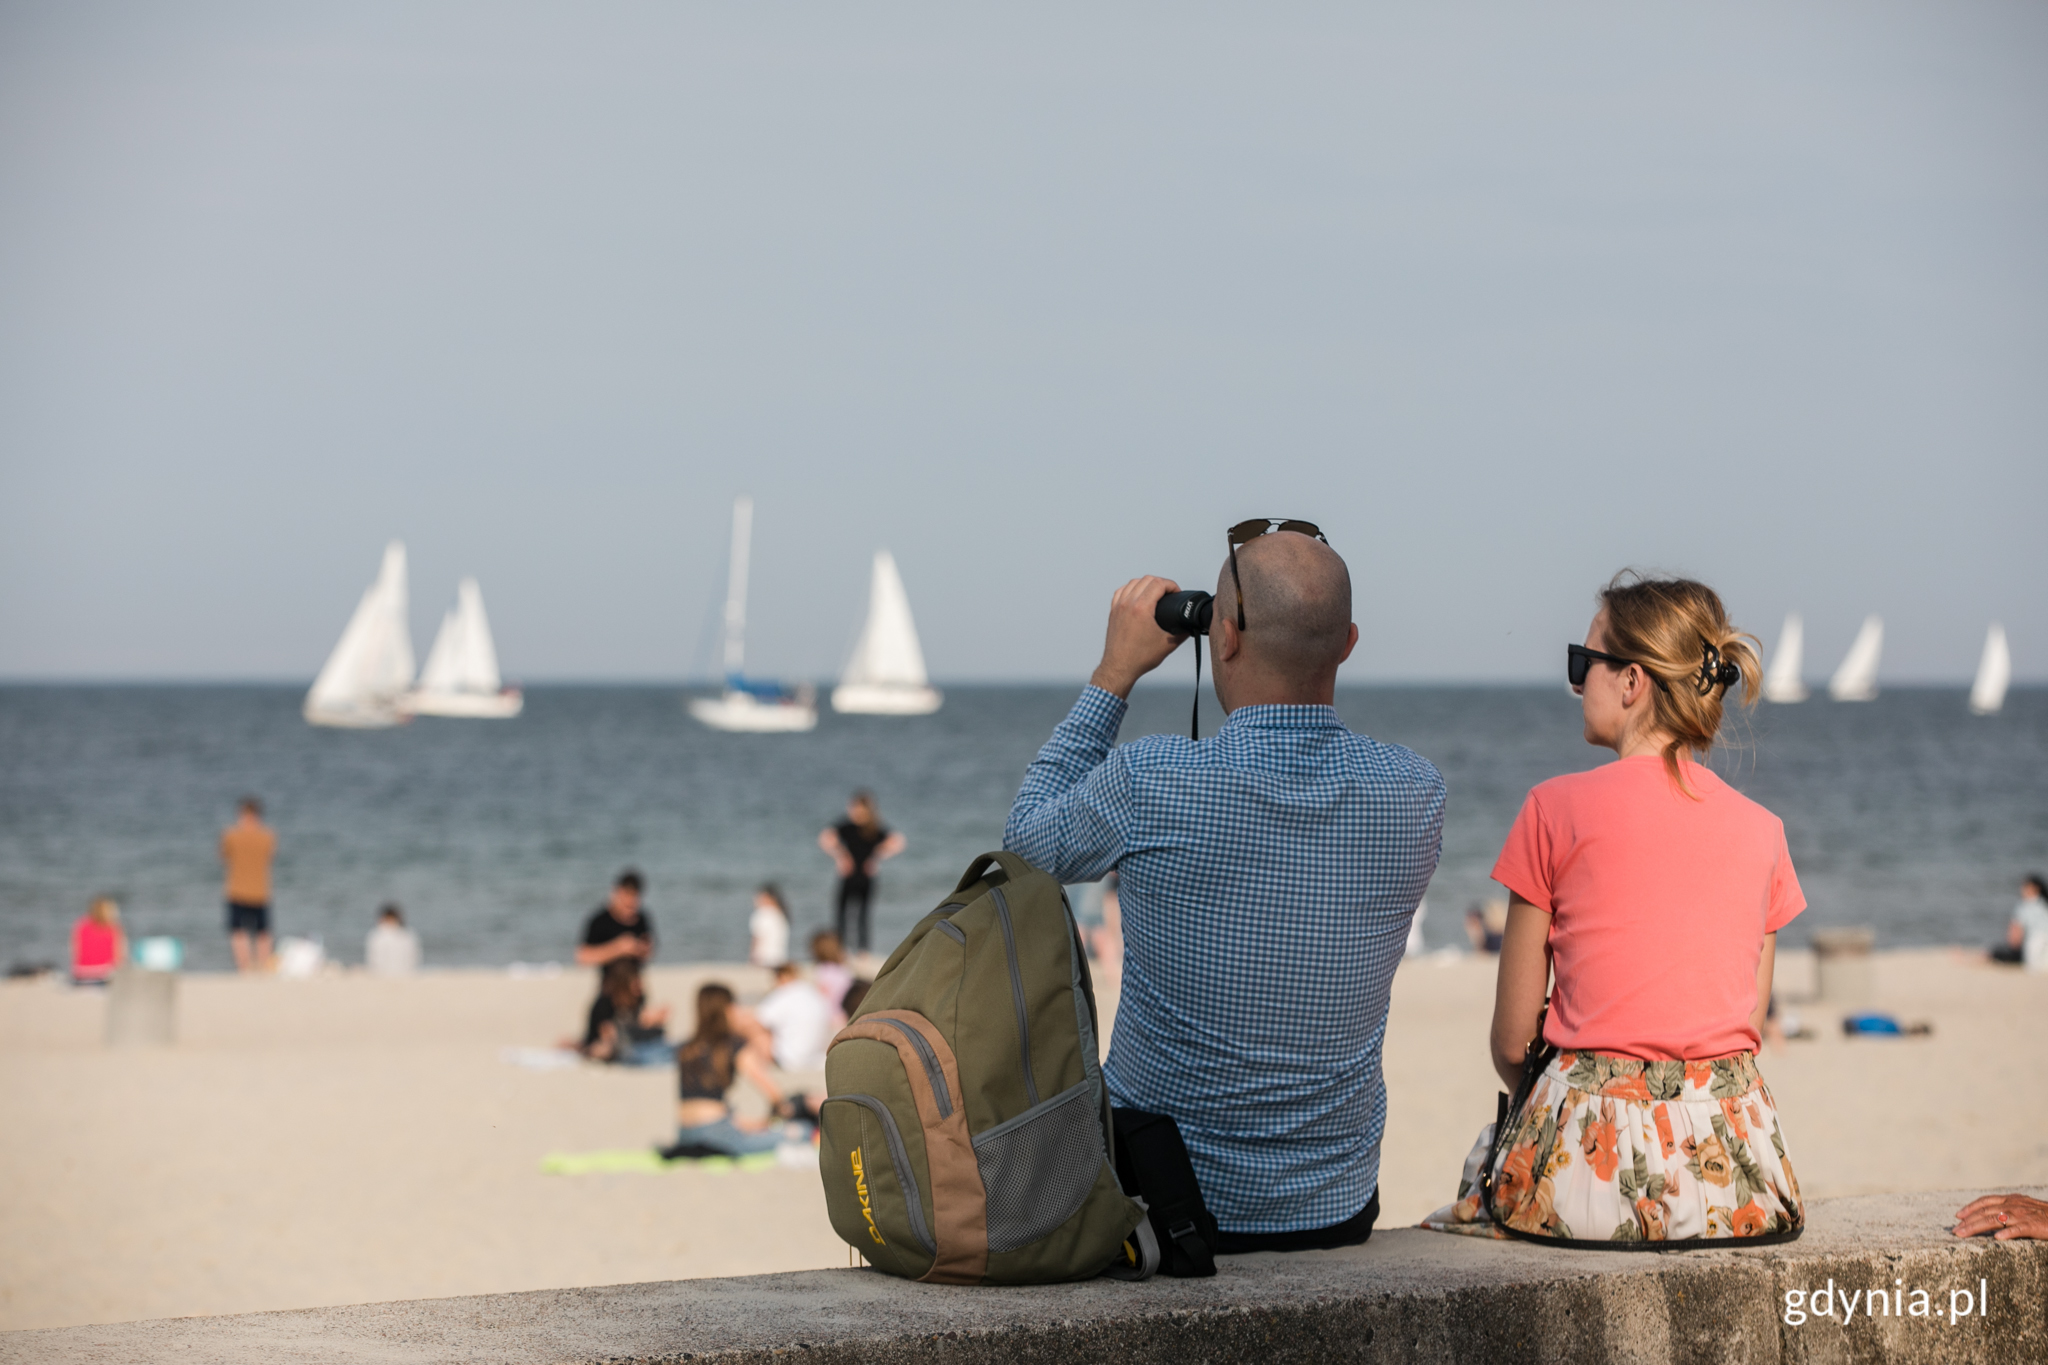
(886, 675)
(461, 675)
(1994, 673)
(1782, 682)
(753, 707)
(371, 666)
(1856, 679)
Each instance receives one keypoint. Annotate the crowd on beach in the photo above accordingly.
(786, 1030)
(1636, 946)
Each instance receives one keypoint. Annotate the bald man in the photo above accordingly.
(1267, 876)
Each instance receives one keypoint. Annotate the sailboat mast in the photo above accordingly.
(736, 586)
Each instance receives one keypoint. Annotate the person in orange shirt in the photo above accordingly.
(246, 848)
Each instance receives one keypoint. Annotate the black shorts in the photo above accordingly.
(248, 919)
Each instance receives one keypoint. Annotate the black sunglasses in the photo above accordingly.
(1247, 531)
(1578, 660)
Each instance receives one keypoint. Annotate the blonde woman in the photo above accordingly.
(98, 944)
(1652, 893)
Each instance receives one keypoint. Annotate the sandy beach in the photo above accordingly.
(345, 1139)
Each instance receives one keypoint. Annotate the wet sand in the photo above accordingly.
(346, 1140)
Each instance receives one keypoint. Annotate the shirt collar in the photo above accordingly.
(1279, 717)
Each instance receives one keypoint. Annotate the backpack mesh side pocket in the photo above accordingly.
(1039, 1167)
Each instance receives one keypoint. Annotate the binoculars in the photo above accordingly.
(1185, 613)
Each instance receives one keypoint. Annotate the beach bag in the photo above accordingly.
(965, 1137)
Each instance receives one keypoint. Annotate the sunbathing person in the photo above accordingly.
(728, 1044)
(1654, 891)
(623, 1027)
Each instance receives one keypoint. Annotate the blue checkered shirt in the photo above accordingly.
(1266, 877)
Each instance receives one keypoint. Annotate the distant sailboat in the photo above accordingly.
(1994, 673)
(371, 666)
(461, 675)
(886, 675)
(1782, 681)
(756, 707)
(1856, 679)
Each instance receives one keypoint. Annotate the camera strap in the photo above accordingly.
(1195, 711)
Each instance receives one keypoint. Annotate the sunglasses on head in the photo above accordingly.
(1247, 531)
(1578, 660)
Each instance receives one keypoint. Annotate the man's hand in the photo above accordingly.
(1135, 644)
(2004, 1216)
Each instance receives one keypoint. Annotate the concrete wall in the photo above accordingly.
(1406, 1296)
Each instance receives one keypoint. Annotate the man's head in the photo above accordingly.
(785, 973)
(626, 895)
(250, 808)
(391, 915)
(1297, 621)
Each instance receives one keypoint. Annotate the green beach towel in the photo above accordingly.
(647, 1161)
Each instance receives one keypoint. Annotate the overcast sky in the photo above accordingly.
(1041, 297)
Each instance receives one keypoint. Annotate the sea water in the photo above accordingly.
(497, 837)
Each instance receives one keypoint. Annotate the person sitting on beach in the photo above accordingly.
(619, 928)
(1653, 892)
(1266, 878)
(391, 949)
(1484, 925)
(799, 1020)
(724, 1048)
(829, 971)
(1106, 940)
(2026, 935)
(768, 928)
(98, 944)
(623, 1028)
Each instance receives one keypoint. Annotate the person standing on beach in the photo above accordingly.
(246, 850)
(858, 845)
(620, 927)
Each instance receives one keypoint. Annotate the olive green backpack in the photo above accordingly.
(966, 1137)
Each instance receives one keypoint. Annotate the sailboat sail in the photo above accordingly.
(886, 675)
(461, 674)
(1782, 681)
(1994, 673)
(371, 666)
(748, 706)
(1856, 679)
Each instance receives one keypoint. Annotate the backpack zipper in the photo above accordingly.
(900, 1158)
(934, 1073)
(1017, 991)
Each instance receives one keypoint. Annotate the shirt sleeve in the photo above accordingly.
(1526, 865)
(1787, 900)
(591, 937)
(1072, 815)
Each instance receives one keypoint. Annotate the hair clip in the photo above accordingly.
(1713, 671)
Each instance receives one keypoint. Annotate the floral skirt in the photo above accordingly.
(1613, 1149)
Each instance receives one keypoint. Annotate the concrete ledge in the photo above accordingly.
(1405, 1296)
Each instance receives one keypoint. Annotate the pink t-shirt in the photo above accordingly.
(92, 950)
(1658, 906)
